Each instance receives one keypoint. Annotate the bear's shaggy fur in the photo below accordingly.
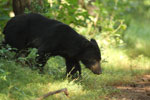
(52, 38)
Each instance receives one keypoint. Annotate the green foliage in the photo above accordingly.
(137, 37)
(69, 12)
(3, 73)
(112, 16)
(37, 7)
(4, 13)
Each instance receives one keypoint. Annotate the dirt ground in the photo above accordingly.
(138, 90)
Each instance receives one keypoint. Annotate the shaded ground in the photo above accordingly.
(138, 90)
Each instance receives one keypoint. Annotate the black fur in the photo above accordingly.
(52, 38)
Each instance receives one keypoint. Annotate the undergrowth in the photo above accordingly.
(19, 82)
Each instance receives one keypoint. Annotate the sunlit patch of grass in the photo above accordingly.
(35, 90)
(120, 59)
(120, 68)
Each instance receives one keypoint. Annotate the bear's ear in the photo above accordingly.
(93, 41)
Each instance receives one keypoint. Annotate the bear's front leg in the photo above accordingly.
(72, 66)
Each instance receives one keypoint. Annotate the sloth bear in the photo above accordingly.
(52, 38)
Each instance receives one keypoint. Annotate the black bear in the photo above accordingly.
(52, 38)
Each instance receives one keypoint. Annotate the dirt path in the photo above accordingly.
(139, 90)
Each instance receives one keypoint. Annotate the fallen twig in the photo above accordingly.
(54, 92)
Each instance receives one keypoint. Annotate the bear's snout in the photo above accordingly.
(96, 68)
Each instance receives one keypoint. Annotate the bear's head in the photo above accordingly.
(91, 56)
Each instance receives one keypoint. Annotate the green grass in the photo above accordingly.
(22, 83)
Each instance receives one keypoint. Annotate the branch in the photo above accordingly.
(54, 92)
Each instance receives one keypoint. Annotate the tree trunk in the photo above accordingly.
(20, 5)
